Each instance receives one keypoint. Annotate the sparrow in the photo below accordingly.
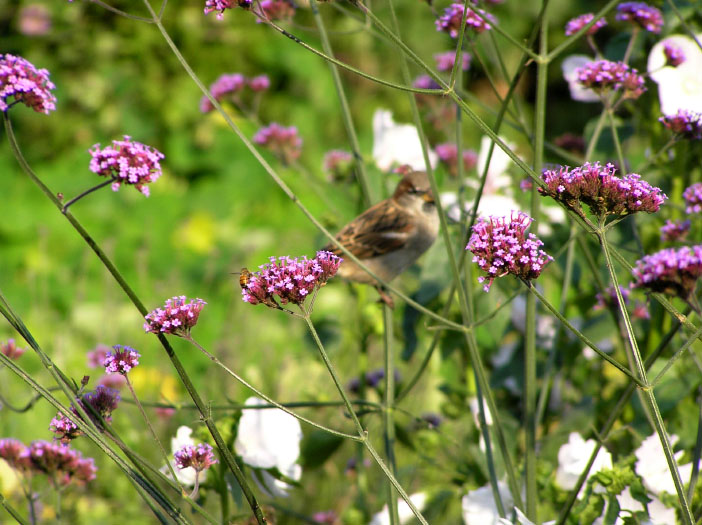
(391, 235)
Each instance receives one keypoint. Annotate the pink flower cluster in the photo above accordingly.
(500, 246)
(599, 188)
(127, 162)
(425, 82)
(11, 350)
(693, 198)
(21, 82)
(276, 10)
(222, 5)
(604, 75)
(284, 142)
(673, 270)
(230, 85)
(290, 279)
(98, 404)
(685, 124)
(200, 458)
(577, 23)
(176, 317)
(455, 14)
(60, 463)
(338, 164)
(673, 231)
(122, 360)
(674, 55)
(609, 297)
(446, 61)
(640, 14)
(448, 155)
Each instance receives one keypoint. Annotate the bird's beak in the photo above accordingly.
(428, 197)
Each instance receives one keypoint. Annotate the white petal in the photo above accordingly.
(678, 87)
(403, 510)
(500, 162)
(268, 437)
(573, 457)
(182, 438)
(479, 506)
(275, 487)
(397, 144)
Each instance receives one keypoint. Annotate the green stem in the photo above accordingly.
(630, 46)
(595, 135)
(12, 512)
(677, 355)
(389, 409)
(646, 387)
(696, 454)
(615, 137)
(361, 173)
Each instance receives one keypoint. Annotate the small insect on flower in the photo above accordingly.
(244, 278)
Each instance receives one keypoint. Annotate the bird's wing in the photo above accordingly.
(381, 229)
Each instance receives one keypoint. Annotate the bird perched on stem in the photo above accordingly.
(389, 236)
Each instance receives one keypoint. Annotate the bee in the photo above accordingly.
(244, 278)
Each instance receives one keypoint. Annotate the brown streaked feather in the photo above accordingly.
(381, 229)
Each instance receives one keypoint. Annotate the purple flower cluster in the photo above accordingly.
(290, 279)
(221, 5)
(338, 164)
(122, 360)
(127, 162)
(599, 188)
(11, 350)
(604, 75)
(230, 85)
(21, 82)
(284, 142)
(685, 124)
(176, 317)
(640, 14)
(98, 404)
(448, 155)
(198, 457)
(60, 463)
(673, 231)
(693, 198)
(674, 54)
(425, 82)
(577, 23)
(608, 299)
(328, 517)
(673, 270)
(445, 61)
(450, 21)
(96, 357)
(500, 246)
(276, 10)
(371, 379)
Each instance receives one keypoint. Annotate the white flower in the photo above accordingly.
(497, 177)
(269, 438)
(652, 466)
(573, 457)
(397, 144)
(187, 475)
(678, 87)
(577, 91)
(522, 520)
(479, 507)
(403, 510)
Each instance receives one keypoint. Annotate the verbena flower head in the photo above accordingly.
(604, 76)
(289, 279)
(227, 84)
(501, 246)
(684, 124)
(641, 14)
(448, 155)
(122, 360)
(693, 198)
(445, 61)
(176, 317)
(60, 463)
(127, 162)
(21, 82)
(425, 82)
(64, 429)
(199, 457)
(96, 357)
(455, 14)
(338, 164)
(577, 23)
(674, 231)
(34, 20)
(674, 54)
(98, 404)
(222, 5)
(10, 349)
(673, 270)
(277, 10)
(608, 299)
(284, 142)
(260, 83)
(11, 451)
(599, 188)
